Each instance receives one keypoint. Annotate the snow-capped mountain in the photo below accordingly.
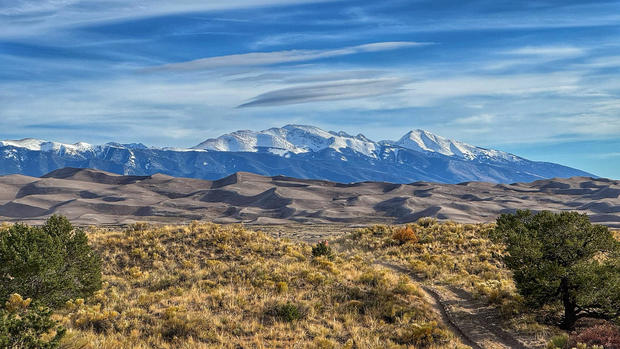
(290, 138)
(45, 146)
(302, 139)
(425, 141)
(293, 150)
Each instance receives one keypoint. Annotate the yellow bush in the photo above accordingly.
(405, 235)
(424, 334)
(16, 302)
(282, 287)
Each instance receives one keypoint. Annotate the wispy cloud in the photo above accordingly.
(547, 51)
(279, 57)
(327, 92)
(606, 155)
(24, 18)
(480, 119)
(602, 62)
(294, 38)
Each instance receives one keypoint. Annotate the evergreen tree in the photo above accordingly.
(563, 258)
(50, 264)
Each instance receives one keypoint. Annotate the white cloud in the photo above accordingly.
(602, 62)
(606, 155)
(548, 51)
(430, 90)
(31, 17)
(333, 91)
(476, 119)
(278, 57)
(294, 38)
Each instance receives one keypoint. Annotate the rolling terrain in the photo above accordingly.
(95, 197)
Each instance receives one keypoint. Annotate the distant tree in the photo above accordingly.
(50, 264)
(563, 258)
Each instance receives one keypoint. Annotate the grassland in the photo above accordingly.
(204, 285)
(454, 256)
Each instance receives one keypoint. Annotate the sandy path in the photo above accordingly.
(474, 322)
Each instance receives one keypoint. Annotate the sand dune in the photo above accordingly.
(96, 197)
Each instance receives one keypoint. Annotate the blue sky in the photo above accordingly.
(540, 79)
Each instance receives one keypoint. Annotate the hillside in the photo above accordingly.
(96, 197)
(206, 286)
(202, 285)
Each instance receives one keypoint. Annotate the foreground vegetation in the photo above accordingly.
(461, 255)
(562, 258)
(473, 257)
(204, 285)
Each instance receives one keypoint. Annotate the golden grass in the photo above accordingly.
(448, 253)
(205, 285)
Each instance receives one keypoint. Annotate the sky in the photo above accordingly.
(540, 79)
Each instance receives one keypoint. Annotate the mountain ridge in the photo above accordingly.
(299, 151)
(278, 138)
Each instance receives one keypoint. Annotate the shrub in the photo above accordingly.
(178, 324)
(91, 316)
(288, 312)
(282, 287)
(322, 249)
(560, 342)
(50, 264)
(22, 326)
(606, 335)
(405, 235)
(424, 334)
(426, 222)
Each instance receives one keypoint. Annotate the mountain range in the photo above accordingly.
(294, 150)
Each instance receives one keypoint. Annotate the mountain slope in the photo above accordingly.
(293, 150)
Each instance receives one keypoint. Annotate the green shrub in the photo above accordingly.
(50, 264)
(426, 222)
(322, 249)
(25, 326)
(558, 342)
(288, 312)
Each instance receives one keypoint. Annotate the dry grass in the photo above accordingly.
(460, 255)
(205, 285)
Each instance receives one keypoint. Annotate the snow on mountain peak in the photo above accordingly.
(303, 138)
(46, 146)
(27, 143)
(424, 141)
(298, 139)
(290, 138)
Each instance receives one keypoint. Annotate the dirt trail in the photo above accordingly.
(474, 322)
